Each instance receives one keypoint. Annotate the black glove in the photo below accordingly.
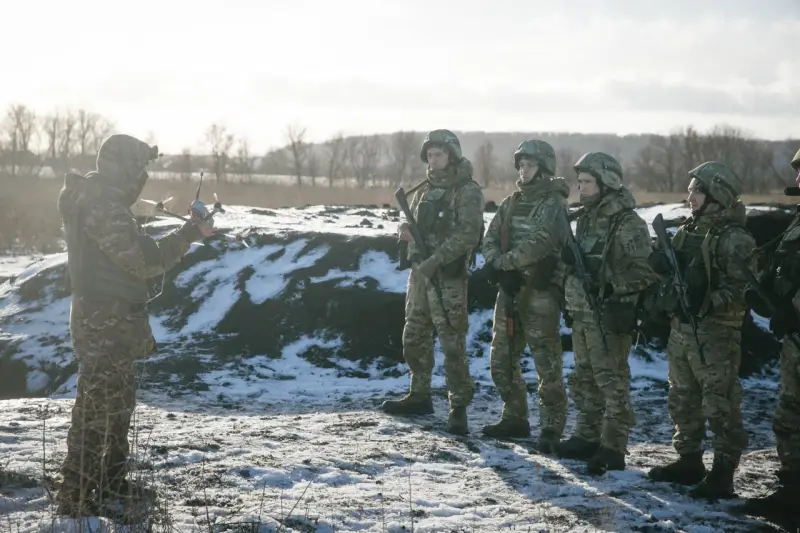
(487, 273)
(567, 318)
(785, 320)
(659, 263)
(567, 256)
(756, 303)
(511, 281)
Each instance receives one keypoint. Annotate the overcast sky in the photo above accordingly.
(171, 68)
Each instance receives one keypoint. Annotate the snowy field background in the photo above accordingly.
(261, 410)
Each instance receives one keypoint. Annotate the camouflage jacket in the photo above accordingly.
(531, 214)
(109, 255)
(616, 245)
(704, 247)
(449, 212)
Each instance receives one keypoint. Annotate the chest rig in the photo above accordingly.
(595, 235)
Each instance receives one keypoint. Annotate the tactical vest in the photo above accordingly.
(596, 247)
(785, 268)
(436, 217)
(93, 275)
(696, 252)
(518, 223)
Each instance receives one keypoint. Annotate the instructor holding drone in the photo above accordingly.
(110, 259)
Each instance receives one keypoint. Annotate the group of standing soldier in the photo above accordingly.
(602, 278)
(605, 278)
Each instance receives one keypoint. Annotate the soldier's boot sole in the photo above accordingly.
(457, 422)
(577, 448)
(604, 460)
(687, 470)
(409, 406)
(508, 429)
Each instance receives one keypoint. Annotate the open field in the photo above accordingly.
(29, 221)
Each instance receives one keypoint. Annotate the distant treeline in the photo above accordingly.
(38, 145)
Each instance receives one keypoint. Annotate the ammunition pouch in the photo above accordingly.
(404, 261)
(427, 215)
(619, 317)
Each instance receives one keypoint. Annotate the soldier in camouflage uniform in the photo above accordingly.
(109, 260)
(781, 281)
(615, 244)
(705, 386)
(522, 250)
(448, 208)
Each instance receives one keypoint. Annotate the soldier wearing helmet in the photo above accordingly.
(448, 208)
(522, 253)
(615, 245)
(705, 386)
(109, 260)
(782, 280)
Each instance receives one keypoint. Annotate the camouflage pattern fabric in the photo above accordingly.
(538, 319)
(600, 385)
(110, 329)
(533, 243)
(786, 419)
(709, 392)
(616, 245)
(452, 239)
(712, 391)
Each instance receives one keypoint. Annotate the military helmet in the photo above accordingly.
(605, 168)
(720, 181)
(541, 151)
(796, 161)
(447, 139)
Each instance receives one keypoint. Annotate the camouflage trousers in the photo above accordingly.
(538, 315)
(600, 385)
(710, 392)
(786, 421)
(424, 316)
(107, 340)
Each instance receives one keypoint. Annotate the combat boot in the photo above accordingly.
(548, 440)
(457, 423)
(604, 460)
(576, 448)
(410, 404)
(780, 504)
(508, 429)
(687, 470)
(718, 484)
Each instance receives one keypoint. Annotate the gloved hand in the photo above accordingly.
(428, 267)
(487, 273)
(785, 320)
(511, 281)
(659, 263)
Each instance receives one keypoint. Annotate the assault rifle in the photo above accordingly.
(584, 276)
(419, 243)
(677, 280)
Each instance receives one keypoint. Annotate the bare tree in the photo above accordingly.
(312, 164)
(336, 154)
(364, 156)
(485, 163)
(85, 131)
(21, 128)
(403, 145)
(295, 139)
(244, 162)
(221, 142)
(185, 164)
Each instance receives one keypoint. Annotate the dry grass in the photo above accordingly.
(29, 221)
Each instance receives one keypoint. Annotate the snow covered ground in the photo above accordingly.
(290, 437)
